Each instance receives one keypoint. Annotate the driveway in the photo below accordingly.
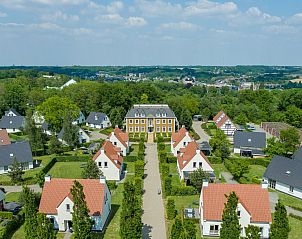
(95, 135)
(15, 189)
(153, 205)
(228, 178)
(200, 131)
(259, 129)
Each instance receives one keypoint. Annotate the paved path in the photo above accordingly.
(153, 205)
(228, 178)
(11, 189)
(95, 135)
(67, 235)
(197, 128)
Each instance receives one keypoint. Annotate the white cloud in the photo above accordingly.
(295, 19)
(60, 2)
(59, 15)
(261, 17)
(206, 8)
(179, 26)
(46, 26)
(280, 29)
(3, 14)
(136, 21)
(115, 7)
(110, 18)
(159, 8)
(12, 3)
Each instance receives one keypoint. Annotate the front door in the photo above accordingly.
(68, 225)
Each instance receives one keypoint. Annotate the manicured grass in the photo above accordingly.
(255, 171)
(12, 197)
(295, 228)
(168, 148)
(106, 131)
(60, 235)
(290, 201)
(66, 170)
(19, 233)
(133, 150)
(173, 168)
(15, 137)
(130, 167)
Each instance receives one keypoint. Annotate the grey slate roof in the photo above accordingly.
(13, 110)
(249, 139)
(205, 146)
(20, 150)
(12, 122)
(150, 111)
(298, 154)
(96, 118)
(285, 170)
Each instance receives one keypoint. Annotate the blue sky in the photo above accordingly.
(143, 32)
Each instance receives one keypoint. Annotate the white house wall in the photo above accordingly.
(9, 131)
(113, 139)
(63, 214)
(111, 172)
(228, 131)
(106, 208)
(182, 144)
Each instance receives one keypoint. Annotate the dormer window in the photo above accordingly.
(10, 122)
(164, 115)
(157, 114)
(96, 117)
(250, 140)
(136, 114)
(11, 155)
(143, 115)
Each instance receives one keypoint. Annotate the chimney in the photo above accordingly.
(264, 185)
(187, 133)
(102, 180)
(47, 178)
(197, 151)
(183, 126)
(116, 126)
(102, 151)
(205, 183)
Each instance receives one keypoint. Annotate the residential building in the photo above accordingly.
(284, 174)
(120, 139)
(190, 159)
(151, 118)
(180, 140)
(298, 154)
(83, 136)
(57, 201)
(19, 150)
(4, 138)
(68, 83)
(253, 207)
(80, 119)
(223, 122)
(249, 144)
(98, 120)
(12, 121)
(45, 128)
(205, 147)
(110, 161)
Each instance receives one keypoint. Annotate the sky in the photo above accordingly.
(145, 32)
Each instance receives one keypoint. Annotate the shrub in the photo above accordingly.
(162, 156)
(295, 216)
(160, 147)
(171, 159)
(130, 158)
(111, 185)
(72, 158)
(167, 186)
(11, 227)
(138, 183)
(171, 212)
(215, 160)
(139, 168)
(165, 170)
(183, 191)
(159, 138)
(6, 215)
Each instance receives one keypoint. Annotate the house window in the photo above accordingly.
(214, 229)
(143, 129)
(170, 121)
(67, 207)
(5, 168)
(131, 121)
(143, 121)
(164, 121)
(136, 129)
(272, 183)
(170, 129)
(228, 125)
(100, 164)
(261, 231)
(185, 143)
(114, 143)
(238, 213)
(157, 114)
(157, 129)
(194, 164)
(105, 164)
(200, 164)
(291, 189)
(164, 115)
(142, 115)
(157, 121)
(164, 128)
(14, 129)
(136, 115)
(136, 121)
(130, 129)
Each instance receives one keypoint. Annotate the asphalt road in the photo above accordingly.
(197, 128)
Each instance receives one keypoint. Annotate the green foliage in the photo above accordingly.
(280, 225)
(171, 211)
(252, 232)
(117, 115)
(138, 183)
(177, 231)
(30, 211)
(197, 177)
(91, 170)
(45, 228)
(183, 191)
(241, 119)
(230, 227)
(185, 118)
(290, 138)
(189, 229)
(15, 172)
(275, 147)
(220, 144)
(11, 226)
(82, 224)
(167, 186)
(139, 168)
(165, 170)
(238, 167)
(6, 215)
(70, 131)
(55, 146)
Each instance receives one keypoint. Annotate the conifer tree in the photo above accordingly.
(82, 224)
(30, 211)
(177, 231)
(45, 227)
(230, 227)
(91, 170)
(252, 232)
(171, 212)
(70, 131)
(280, 226)
(15, 172)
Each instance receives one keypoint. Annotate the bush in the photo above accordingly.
(183, 191)
(165, 170)
(167, 186)
(161, 146)
(6, 215)
(11, 227)
(111, 185)
(48, 166)
(215, 160)
(139, 168)
(171, 212)
(171, 159)
(138, 183)
(162, 156)
(159, 138)
(260, 161)
(72, 158)
(130, 158)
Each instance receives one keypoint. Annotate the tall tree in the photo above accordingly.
(252, 232)
(280, 226)
(91, 170)
(44, 228)
(220, 144)
(290, 138)
(70, 131)
(230, 227)
(197, 177)
(275, 147)
(185, 118)
(55, 146)
(30, 211)
(190, 229)
(82, 224)
(177, 231)
(16, 171)
(117, 116)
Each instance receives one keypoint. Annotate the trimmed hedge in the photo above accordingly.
(215, 160)
(171, 159)
(295, 216)
(48, 166)
(11, 227)
(72, 158)
(6, 215)
(111, 185)
(183, 191)
(130, 158)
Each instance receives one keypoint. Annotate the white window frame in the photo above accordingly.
(169, 121)
(164, 129)
(131, 129)
(136, 121)
(142, 121)
(136, 129)
(136, 114)
(158, 129)
(170, 129)
(143, 129)
(164, 121)
(130, 121)
(157, 114)
(164, 114)
(158, 121)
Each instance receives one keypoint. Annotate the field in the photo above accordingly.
(67, 170)
(255, 171)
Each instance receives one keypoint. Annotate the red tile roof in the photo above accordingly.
(254, 198)
(55, 191)
(223, 119)
(113, 153)
(187, 154)
(177, 137)
(121, 136)
(4, 138)
(218, 115)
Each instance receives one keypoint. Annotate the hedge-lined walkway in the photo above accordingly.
(153, 205)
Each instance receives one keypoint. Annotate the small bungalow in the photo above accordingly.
(180, 140)
(249, 144)
(223, 122)
(57, 202)
(109, 159)
(12, 121)
(120, 139)
(98, 120)
(253, 207)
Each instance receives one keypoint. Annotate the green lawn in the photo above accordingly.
(15, 137)
(296, 228)
(19, 233)
(168, 148)
(12, 197)
(133, 150)
(106, 131)
(289, 200)
(218, 168)
(66, 170)
(255, 171)
(130, 167)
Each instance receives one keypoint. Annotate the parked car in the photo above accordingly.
(251, 127)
